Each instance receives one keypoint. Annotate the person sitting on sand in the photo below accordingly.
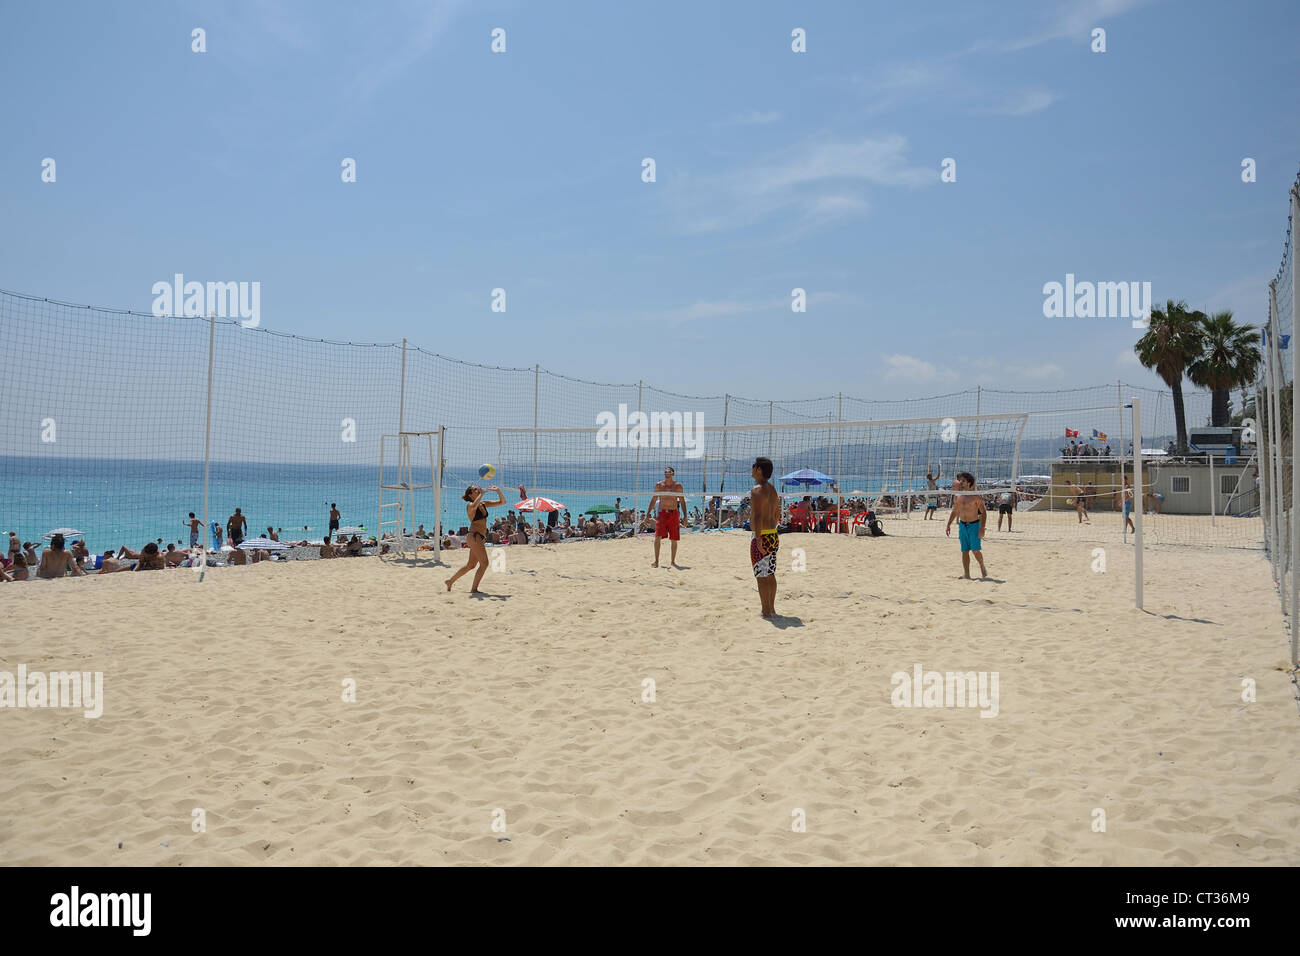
(354, 547)
(271, 534)
(327, 549)
(19, 567)
(79, 551)
(56, 562)
(150, 558)
(239, 557)
(108, 564)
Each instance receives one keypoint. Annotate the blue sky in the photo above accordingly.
(775, 170)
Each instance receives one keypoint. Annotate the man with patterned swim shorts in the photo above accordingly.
(765, 515)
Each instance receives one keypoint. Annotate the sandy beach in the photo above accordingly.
(226, 696)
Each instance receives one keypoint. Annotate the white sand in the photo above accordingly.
(226, 696)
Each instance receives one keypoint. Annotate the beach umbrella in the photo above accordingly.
(600, 510)
(263, 544)
(539, 504)
(349, 531)
(806, 476)
(66, 532)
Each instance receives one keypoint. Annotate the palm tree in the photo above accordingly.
(1229, 357)
(1172, 342)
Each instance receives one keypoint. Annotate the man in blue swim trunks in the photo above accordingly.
(970, 511)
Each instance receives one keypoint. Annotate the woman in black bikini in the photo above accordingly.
(476, 509)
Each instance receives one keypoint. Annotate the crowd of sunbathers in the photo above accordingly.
(61, 559)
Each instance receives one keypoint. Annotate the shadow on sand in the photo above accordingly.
(782, 621)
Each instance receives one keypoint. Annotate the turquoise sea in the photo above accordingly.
(119, 502)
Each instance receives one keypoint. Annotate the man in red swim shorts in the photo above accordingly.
(668, 523)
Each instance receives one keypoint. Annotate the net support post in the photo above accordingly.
(207, 447)
(437, 497)
(1295, 416)
(1137, 509)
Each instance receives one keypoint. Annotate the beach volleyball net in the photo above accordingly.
(1274, 417)
(292, 425)
(857, 465)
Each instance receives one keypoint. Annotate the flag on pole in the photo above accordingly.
(1072, 433)
(1098, 436)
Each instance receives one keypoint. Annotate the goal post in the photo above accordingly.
(403, 473)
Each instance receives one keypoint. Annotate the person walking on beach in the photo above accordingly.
(668, 522)
(235, 528)
(334, 517)
(765, 540)
(932, 499)
(193, 522)
(973, 516)
(476, 509)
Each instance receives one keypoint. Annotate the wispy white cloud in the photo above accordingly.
(908, 368)
(754, 118)
(1014, 370)
(725, 308)
(712, 310)
(1023, 102)
(430, 22)
(812, 185)
(1127, 358)
(1247, 299)
(1072, 19)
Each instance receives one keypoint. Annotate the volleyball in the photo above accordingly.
(487, 472)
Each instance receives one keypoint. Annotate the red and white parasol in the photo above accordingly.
(538, 504)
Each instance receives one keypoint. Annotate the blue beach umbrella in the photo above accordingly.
(806, 476)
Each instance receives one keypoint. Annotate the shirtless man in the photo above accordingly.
(932, 500)
(765, 541)
(236, 525)
(56, 562)
(1080, 502)
(973, 517)
(194, 523)
(668, 522)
